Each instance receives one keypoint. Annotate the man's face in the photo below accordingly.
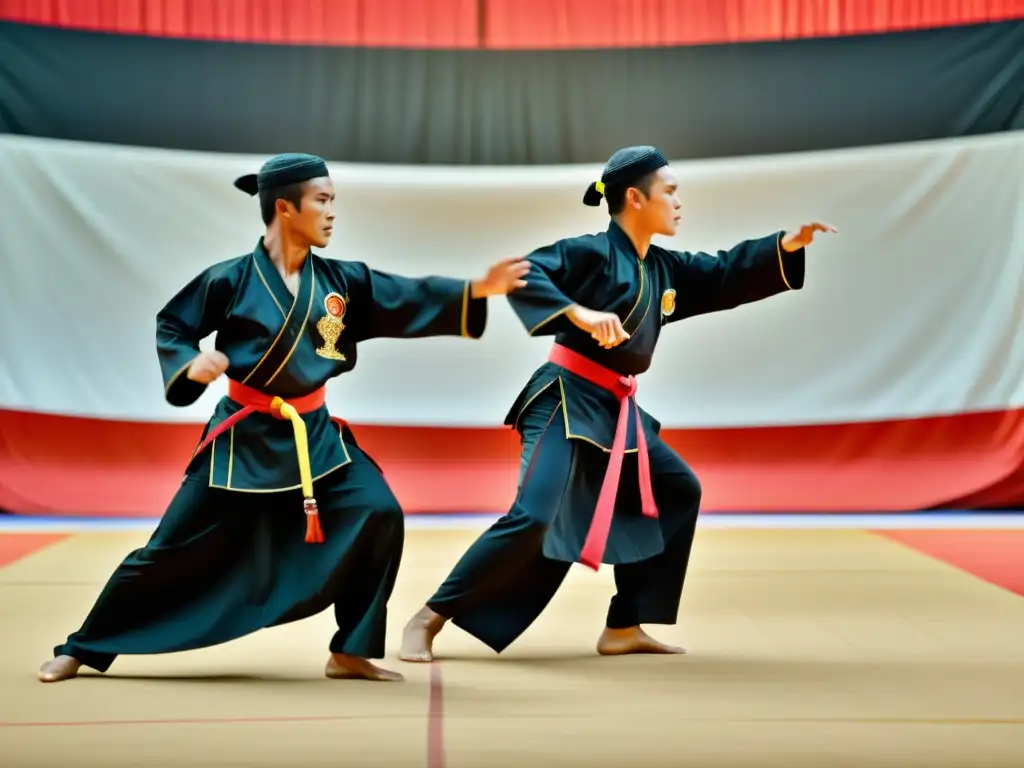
(661, 210)
(313, 222)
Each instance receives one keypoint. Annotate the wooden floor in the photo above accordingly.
(807, 648)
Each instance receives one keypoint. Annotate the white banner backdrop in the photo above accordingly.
(914, 308)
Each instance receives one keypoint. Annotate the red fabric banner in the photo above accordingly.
(652, 23)
(506, 23)
(60, 465)
(371, 23)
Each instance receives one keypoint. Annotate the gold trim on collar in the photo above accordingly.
(259, 272)
(287, 317)
(639, 295)
(302, 332)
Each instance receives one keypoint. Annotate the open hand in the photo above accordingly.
(604, 327)
(208, 366)
(801, 237)
(502, 278)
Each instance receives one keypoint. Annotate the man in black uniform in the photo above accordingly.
(605, 298)
(234, 552)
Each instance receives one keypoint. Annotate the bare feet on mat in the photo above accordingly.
(619, 642)
(60, 668)
(418, 636)
(344, 667)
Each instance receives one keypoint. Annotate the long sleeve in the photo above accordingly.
(542, 304)
(384, 305)
(190, 316)
(750, 271)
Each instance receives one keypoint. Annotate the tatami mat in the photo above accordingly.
(807, 647)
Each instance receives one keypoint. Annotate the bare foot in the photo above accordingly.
(341, 666)
(60, 668)
(618, 642)
(418, 636)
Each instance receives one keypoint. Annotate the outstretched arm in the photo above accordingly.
(191, 315)
(386, 305)
(750, 271)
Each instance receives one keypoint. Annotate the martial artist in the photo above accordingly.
(280, 514)
(605, 298)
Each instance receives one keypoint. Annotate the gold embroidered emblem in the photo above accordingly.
(668, 302)
(331, 325)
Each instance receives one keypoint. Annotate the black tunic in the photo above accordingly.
(604, 272)
(229, 557)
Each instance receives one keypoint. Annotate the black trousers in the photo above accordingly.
(223, 564)
(503, 582)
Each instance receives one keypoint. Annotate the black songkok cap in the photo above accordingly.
(283, 169)
(625, 167)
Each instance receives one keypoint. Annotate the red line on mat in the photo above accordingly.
(435, 719)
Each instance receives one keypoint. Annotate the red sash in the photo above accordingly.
(254, 401)
(624, 388)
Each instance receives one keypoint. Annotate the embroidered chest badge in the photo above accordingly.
(668, 302)
(331, 325)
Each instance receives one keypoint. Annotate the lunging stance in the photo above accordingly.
(280, 514)
(597, 484)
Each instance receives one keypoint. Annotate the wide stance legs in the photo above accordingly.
(222, 565)
(504, 581)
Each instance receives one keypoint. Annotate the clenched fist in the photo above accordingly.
(604, 327)
(208, 366)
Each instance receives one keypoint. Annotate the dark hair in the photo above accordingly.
(615, 196)
(269, 197)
